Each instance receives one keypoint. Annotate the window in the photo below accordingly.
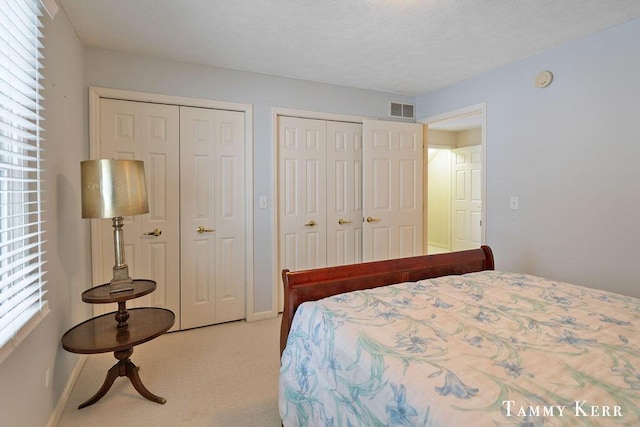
(22, 261)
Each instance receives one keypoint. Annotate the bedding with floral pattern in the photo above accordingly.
(482, 349)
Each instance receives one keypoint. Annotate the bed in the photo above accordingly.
(445, 340)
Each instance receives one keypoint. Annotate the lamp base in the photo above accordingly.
(121, 281)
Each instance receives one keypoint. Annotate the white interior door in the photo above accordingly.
(466, 210)
(344, 193)
(393, 193)
(212, 224)
(302, 220)
(147, 132)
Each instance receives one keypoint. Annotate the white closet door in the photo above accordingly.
(344, 193)
(147, 132)
(466, 186)
(302, 196)
(212, 225)
(393, 169)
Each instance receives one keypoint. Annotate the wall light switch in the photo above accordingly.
(514, 202)
(263, 202)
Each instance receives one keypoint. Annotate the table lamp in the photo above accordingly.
(114, 188)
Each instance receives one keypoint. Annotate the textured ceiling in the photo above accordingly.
(400, 46)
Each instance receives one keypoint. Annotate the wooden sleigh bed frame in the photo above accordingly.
(315, 284)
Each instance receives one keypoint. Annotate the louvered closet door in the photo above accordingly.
(147, 132)
(344, 193)
(302, 220)
(212, 225)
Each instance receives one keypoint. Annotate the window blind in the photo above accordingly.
(21, 225)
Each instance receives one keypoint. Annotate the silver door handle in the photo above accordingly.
(310, 223)
(343, 221)
(202, 229)
(371, 219)
(156, 232)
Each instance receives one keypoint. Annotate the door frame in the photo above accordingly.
(466, 111)
(96, 93)
(277, 292)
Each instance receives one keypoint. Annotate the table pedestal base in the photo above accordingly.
(124, 368)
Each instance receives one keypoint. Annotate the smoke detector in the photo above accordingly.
(544, 79)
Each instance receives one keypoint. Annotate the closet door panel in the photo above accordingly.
(147, 132)
(198, 269)
(229, 210)
(212, 224)
(392, 197)
(344, 193)
(302, 223)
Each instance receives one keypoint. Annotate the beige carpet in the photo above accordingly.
(222, 375)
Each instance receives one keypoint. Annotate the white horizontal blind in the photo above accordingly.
(21, 229)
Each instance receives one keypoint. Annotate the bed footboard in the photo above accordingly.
(315, 284)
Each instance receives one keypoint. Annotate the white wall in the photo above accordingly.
(24, 400)
(441, 138)
(569, 152)
(469, 137)
(130, 72)
(439, 199)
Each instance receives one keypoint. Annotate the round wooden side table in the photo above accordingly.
(104, 334)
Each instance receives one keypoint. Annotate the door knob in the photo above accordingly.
(371, 219)
(156, 232)
(203, 229)
(310, 223)
(343, 221)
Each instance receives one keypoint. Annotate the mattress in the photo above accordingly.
(484, 349)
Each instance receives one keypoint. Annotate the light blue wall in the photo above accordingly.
(570, 153)
(130, 72)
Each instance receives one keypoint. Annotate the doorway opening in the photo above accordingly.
(455, 171)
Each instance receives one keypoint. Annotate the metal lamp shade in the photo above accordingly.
(113, 188)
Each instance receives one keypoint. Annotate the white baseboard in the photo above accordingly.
(54, 419)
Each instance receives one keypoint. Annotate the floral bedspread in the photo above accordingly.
(481, 349)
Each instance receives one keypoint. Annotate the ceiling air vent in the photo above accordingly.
(405, 111)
